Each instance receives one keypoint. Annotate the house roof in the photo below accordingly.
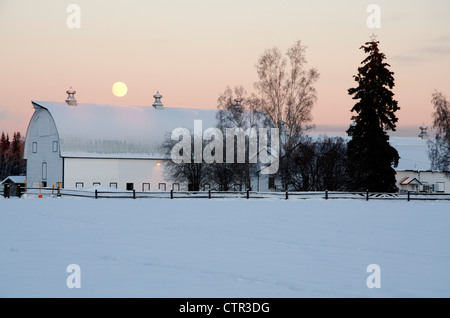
(410, 180)
(107, 131)
(14, 179)
(413, 151)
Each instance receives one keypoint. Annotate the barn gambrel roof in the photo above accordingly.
(108, 131)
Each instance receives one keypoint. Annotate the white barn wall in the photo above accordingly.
(120, 171)
(42, 131)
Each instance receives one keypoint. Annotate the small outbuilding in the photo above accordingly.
(13, 186)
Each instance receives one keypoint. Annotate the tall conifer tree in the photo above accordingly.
(371, 159)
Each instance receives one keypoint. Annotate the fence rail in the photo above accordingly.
(326, 195)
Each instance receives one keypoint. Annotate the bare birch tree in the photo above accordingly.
(237, 111)
(439, 148)
(287, 94)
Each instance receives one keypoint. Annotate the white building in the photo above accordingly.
(413, 172)
(83, 145)
(414, 169)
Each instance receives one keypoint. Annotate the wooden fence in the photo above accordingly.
(326, 195)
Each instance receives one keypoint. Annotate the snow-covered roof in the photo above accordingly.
(410, 180)
(108, 131)
(15, 179)
(413, 151)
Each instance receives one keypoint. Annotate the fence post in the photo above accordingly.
(326, 194)
(96, 193)
(134, 194)
(287, 195)
(59, 190)
(367, 195)
(209, 194)
(248, 194)
(171, 194)
(408, 195)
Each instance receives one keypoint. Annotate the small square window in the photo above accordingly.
(79, 185)
(34, 147)
(176, 187)
(113, 185)
(96, 183)
(146, 187)
(130, 186)
(162, 186)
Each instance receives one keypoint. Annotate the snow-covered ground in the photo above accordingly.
(223, 248)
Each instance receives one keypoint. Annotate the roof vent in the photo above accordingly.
(70, 100)
(238, 103)
(423, 132)
(157, 104)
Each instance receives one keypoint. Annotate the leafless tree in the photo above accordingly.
(317, 165)
(286, 88)
(195, 175)
(287, 94)
(439, 148)
(237, 110)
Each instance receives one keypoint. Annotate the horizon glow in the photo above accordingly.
(191, 51)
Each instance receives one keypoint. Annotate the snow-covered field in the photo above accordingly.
(223, 248)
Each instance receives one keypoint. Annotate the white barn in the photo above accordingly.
(83, 145)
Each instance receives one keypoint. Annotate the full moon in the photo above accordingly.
(119, 89)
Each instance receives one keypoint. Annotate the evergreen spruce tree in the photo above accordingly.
(371, 159)
(4, 156)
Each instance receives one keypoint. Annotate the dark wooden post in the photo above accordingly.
(326, 194)
(408, 195)
(287, 195)
(209, 194)
(134, 194)
(96, 193)
(59, 190)
(248, 194)
(367, 195)
(171, 194)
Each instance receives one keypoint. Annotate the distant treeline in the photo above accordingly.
(11, 156)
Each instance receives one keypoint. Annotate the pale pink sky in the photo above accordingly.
(191, 50)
